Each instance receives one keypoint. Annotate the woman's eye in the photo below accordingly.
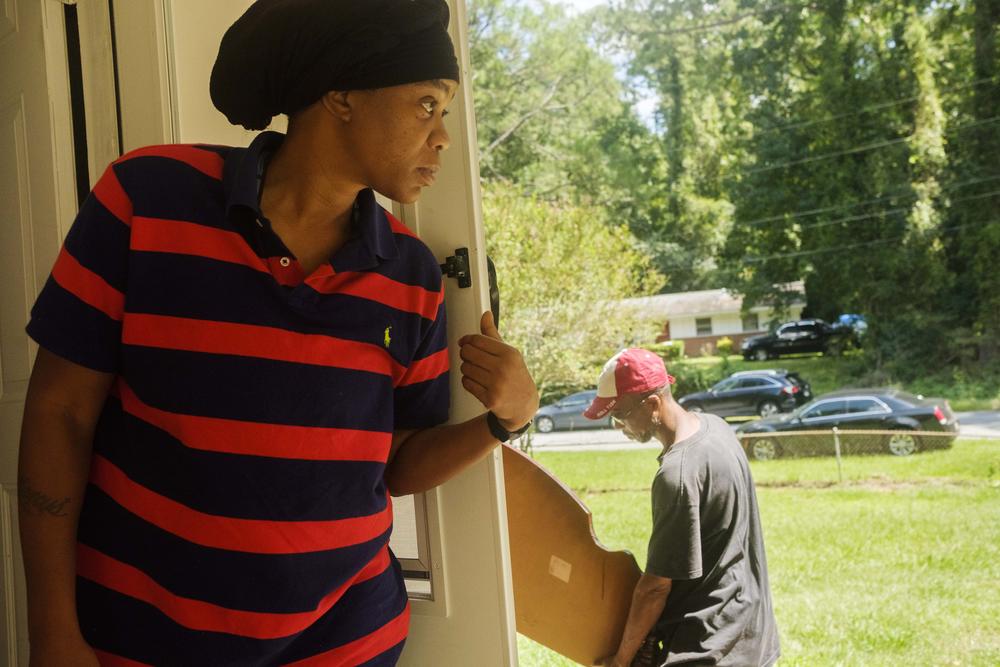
(429, 106)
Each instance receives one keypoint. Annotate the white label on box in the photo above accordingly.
(560, 569)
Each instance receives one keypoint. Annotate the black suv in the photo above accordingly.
(764, 393)
(795, 337)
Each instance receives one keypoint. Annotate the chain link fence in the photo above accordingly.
(839, 443)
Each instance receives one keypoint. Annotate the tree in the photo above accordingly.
(542, 92)
(561, 269)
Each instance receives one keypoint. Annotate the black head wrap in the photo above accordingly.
(283, 55)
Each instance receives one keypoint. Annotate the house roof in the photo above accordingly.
(704, 302)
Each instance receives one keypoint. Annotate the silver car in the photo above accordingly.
(567, 414)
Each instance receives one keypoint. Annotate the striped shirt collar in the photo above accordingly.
(244, 168)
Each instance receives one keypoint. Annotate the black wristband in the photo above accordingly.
(498, 430)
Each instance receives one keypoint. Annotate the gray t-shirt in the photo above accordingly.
(707, 539)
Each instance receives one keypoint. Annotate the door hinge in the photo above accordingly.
(457, 266)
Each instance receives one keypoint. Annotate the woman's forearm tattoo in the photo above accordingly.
(37, 502)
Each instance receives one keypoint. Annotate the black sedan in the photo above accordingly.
(567, 413)
(900, 414)
(763, 392)
(795, 338)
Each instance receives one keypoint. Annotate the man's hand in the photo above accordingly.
(495, 373)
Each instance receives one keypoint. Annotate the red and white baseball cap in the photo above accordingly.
(631, 371)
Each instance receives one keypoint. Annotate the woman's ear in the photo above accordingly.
(336, 102)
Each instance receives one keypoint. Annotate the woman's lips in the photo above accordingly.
(428, 174)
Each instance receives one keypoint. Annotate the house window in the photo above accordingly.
(751, 322)
(703, 326)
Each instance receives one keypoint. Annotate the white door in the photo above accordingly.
(37, 196)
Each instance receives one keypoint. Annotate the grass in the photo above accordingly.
(899, 565)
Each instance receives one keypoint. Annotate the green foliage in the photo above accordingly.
(669, 350)
(724, 346)
(545, 99)
(851, 145)
(848, 144)
(561, 270)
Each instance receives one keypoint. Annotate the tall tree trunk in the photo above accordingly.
(985, 142)
(675, 136)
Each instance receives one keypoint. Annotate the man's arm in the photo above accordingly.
(493, 372)
(648, 600)
(61, 410)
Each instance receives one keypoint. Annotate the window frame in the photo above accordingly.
(756, 322)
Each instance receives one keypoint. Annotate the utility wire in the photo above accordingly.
(892, 211)
(857, 149)
(841, 207)
(863, 244)
(873, 107)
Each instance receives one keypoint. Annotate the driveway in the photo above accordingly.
(983, 424)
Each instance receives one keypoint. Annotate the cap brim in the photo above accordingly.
(600, 407)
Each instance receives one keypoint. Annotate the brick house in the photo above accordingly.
(701, 318)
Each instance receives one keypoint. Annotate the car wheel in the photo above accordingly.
(761, 355)
(902, 444)
(545, 424)
(764, 449)
(694, 407)
(767, 409)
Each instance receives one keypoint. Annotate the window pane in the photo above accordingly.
(826, 409)
(409, 543)
(835, 408)
(703, 326)
(751, 322)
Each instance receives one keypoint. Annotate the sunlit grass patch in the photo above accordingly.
(900, 565)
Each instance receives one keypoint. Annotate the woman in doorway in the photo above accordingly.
(242, 355)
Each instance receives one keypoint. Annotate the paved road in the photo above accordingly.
(985, 424)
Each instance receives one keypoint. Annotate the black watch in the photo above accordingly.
(499, 432)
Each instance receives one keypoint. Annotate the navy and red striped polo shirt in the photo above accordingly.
(236, 512)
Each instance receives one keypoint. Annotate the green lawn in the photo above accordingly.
(899, 565)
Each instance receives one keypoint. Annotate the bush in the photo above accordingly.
(669, 350)
(724, 346)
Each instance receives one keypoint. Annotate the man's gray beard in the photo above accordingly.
(641, 437)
